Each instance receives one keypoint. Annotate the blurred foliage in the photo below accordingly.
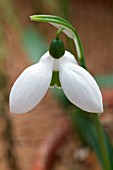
(2, 44)
(105, 80)
(8, 14)
(58, 7)
(34, 44)
(8, 20)
(85, 124)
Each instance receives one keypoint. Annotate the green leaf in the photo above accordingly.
(53, 19)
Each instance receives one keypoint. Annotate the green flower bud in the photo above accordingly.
(56, 48)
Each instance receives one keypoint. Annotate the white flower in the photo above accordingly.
(78, 85)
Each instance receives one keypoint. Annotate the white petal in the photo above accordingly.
(80, 87)
(66, 30)
(44, 57)
(31, 86)
(56, 65)
(70, 57)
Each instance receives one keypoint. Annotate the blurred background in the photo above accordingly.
(22, 43)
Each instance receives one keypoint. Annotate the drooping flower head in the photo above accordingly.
(78, 85)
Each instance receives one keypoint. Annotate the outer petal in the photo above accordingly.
(80, 87)
(44, 57)
(70, 57)
(31, 86)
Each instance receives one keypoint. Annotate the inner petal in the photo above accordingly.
(56, 65)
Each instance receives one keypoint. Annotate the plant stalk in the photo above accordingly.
(98, 126)
(58, 33)
(102, 144)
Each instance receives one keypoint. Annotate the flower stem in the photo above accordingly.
(58, 33)
(102, 144)
(99, 129)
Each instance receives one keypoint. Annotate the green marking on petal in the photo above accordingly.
(55, 79)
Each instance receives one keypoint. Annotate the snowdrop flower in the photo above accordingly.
(78, 85)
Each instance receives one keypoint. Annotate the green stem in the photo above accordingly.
(58, 33)
(80, 50)
(99, 129)
(101, 139)
(102, 144)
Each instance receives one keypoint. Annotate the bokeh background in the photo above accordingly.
(22, 42)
